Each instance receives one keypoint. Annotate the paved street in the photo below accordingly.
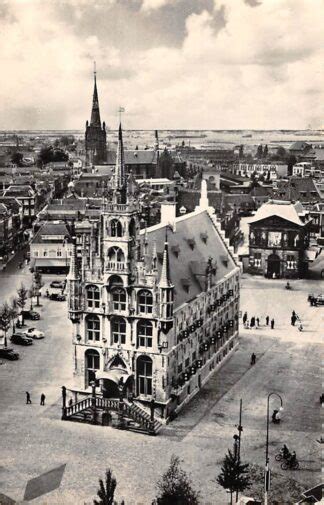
(34, 439)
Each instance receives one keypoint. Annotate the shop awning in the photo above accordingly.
(114, 375)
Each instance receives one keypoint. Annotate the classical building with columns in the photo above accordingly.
(154, 312)
(279, 239)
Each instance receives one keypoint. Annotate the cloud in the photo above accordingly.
(181, 64)
(155, 4)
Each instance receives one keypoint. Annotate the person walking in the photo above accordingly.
(28, 400)
(267, 320)
(253, 359)
(272, 323)
(258, 322)
(252, 324)
(42, 399)
(293, 320)
(245, 316)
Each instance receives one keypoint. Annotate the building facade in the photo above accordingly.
(95, 134)
(154, 312)
(51, 248)
(278, 239)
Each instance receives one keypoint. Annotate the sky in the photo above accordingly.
(172, 64)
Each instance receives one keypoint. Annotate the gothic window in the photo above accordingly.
(93, 328)
(145, 302)
(132, 228)
(144, 334)
(93, 296)
(116, 254)
(119, 299)
(118, 330)
(92, 363)
(116, 229)
(144, 375)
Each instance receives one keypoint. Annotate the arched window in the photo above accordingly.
(93, 327)
(145, 302)
(116, 229)
(92, 363)
(118, 330)
(144, 375)
(144, 334)
(93, 296)
(118, 298)
(132, 228)
(116, 254)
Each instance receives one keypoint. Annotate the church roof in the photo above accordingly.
(188, 249)
(135, 157)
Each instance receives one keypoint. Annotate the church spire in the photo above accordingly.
(165, 281)
(95, 112)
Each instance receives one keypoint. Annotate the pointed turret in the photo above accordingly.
(166, 289)
(119, 181)
(165, 281)
(95, 112)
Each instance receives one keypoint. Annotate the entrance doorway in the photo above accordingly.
(273, 266)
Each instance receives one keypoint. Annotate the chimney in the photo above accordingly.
(168, 214)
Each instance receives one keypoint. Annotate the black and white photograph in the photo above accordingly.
(161, 252)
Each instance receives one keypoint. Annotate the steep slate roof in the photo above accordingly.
(50, 229)
(298, 188)
(135, 157)
(184, 267)
(285, 210)
(299, 145)
(189, 198)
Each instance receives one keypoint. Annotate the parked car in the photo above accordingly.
(315, 300)
(34, 333)
(9, 353)
(21, 339)
(57, 284)
(57, 296)
(30, 314)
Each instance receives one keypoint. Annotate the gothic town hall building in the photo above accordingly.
(155, 311)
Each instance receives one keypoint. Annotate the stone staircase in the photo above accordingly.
(132, 417)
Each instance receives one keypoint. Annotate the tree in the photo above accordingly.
(234, 475)
(291, 161)
(265, 151)
(22, 296)
(5, 320)
(14, 310)
(175, 487)
(241, 152)
(49, 154)
(259, 151)
(17, 158)
(38, 283)
(107, 490)
(281, 152)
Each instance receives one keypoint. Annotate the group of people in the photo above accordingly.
(291, 457)
(28, 398)
(254, 322)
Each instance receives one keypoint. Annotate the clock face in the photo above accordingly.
(274, 238)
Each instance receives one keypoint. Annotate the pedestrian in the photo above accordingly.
(245, 316)
(267, 320)
(252, 324)
(247, 324)
(257, 322)
(293, 320)
(293, 313)
(253, 359)
(272, 323)
(28, 400)
(42, 399)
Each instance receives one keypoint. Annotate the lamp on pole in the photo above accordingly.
(267, 469)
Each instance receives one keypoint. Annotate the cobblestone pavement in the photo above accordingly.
(34, 440)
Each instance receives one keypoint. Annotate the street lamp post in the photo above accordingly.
(267, 469)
